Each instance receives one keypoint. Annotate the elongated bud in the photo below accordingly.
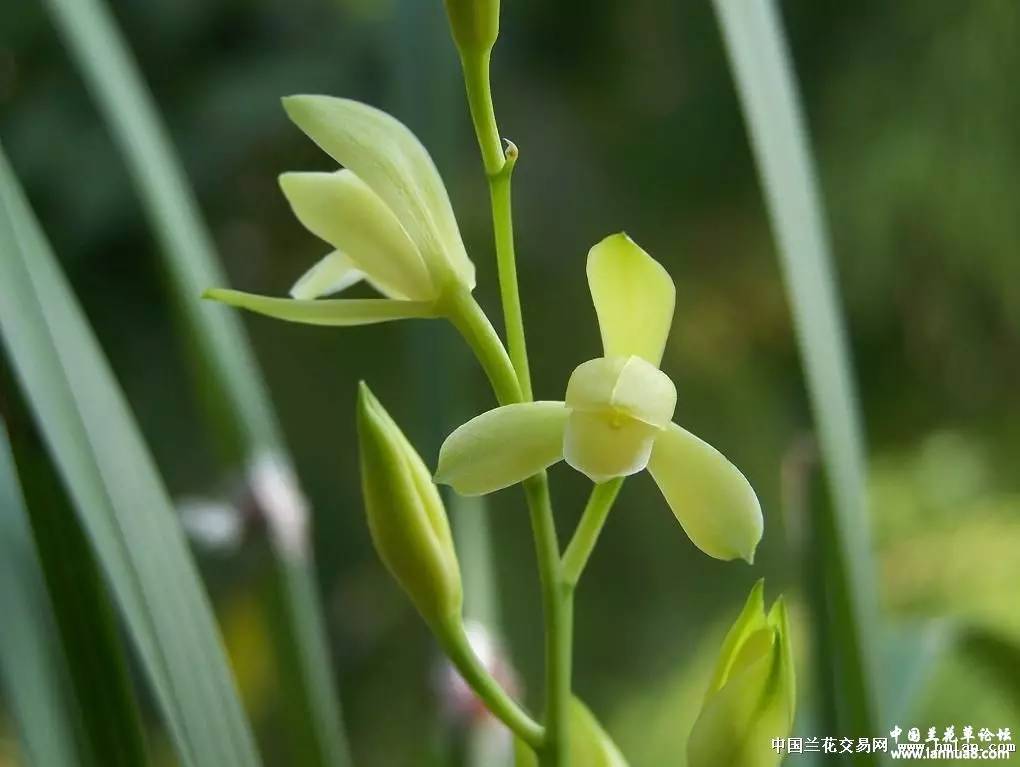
(406, 516)
(475, 24)
(589, 744)
(752, 696)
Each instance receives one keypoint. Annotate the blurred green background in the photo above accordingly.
(626, 118)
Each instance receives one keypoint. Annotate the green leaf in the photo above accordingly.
(911, 654)
(118, 495)
(32, 668)
(752, 32)
(111, 732)
(227, 376)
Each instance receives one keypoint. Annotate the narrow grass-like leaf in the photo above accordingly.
(910, 657)
(756, 47)
(110, 731)
(32, 669)
(316, 733)
(187, 249)
(119, 497)
(228, 376)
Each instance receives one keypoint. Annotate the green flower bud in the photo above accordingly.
(406, 516)
(475, 24)
(752, 696)
(589, 744)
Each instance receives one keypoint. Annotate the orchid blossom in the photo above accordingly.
(616, 417)
(386, 215)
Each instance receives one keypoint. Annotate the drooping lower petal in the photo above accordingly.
(502, 447)
(339, 312)
(634, 298)
(332, 274)
(713, 501)
(603, 445)
(341, 209)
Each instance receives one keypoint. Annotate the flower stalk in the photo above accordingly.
(586, 536)
(557, 594)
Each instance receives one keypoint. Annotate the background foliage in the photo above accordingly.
(626, 118)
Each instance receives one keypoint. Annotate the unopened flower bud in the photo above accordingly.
(589, 744)
(406, 516)
(475, 24)
(752, 696)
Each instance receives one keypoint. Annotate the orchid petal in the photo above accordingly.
(630, 385)
(751, 619)
(387, 156)
(339, 208)
(713, 501)
(353, 311)
(602, 446)
(634, 298)
(334, 273)
(779, 619)
(502, 447)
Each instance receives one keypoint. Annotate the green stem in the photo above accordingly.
(499, 168)
(558, 608)
(557, 596)
(469, 319)
(503, 707)
(479, 95)
(589, 528)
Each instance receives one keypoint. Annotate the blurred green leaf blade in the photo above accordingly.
(226, 373)
(119, 497)
(32, 669)
(756, 46)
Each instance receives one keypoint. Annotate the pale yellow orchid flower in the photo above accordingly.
(616, 417)
(386, 215)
